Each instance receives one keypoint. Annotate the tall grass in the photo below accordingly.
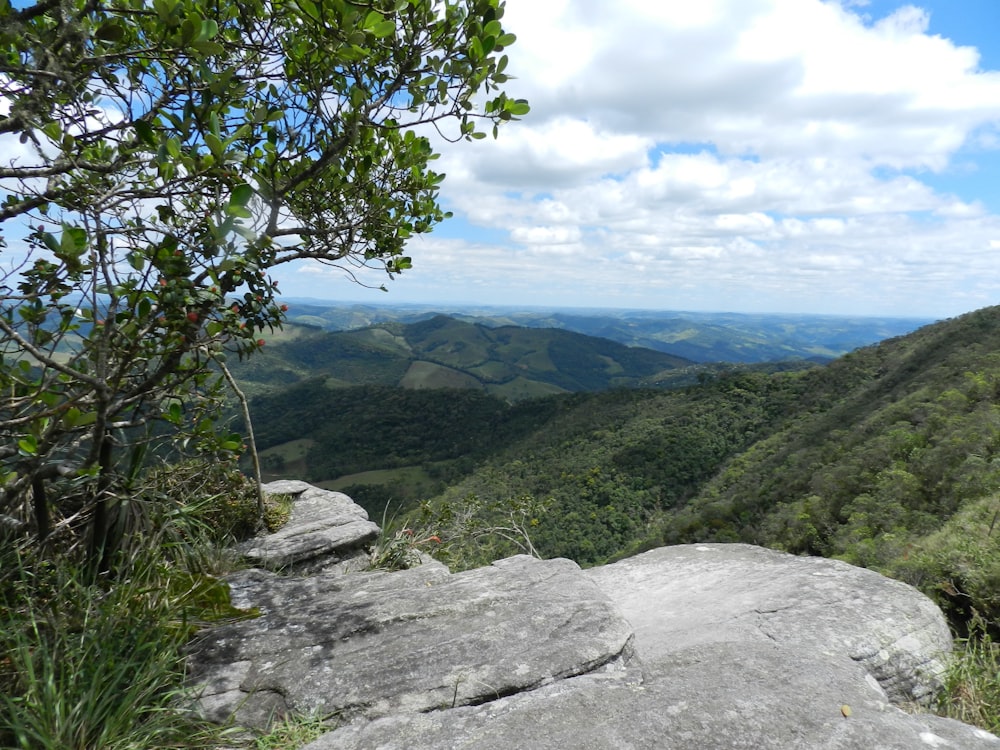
(972, 687)
(91, 665)
(96, 663)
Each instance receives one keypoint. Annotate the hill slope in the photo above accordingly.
(889, 458)
(699, 336)
(441, 352)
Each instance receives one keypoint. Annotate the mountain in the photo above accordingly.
(888, 457)
(440, 352)
(701, 337)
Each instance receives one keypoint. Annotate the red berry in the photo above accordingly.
(193, 317)
(260, 342)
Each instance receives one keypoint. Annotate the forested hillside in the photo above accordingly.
(509, 361)
(889, 457)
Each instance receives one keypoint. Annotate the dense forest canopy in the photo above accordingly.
(888, 457)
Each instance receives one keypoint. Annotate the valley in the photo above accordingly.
(886, 457)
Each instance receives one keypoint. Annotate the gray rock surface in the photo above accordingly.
(371, 644)
(752, 695)
(688, 595)
(325, 528)
(689, 648)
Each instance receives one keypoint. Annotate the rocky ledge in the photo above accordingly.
(697, 646)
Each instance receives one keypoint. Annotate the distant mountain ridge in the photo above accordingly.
(698, 336)
(511, 362)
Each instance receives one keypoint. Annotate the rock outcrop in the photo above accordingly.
(325, 529)
(699, 646)
(372, 644)
(690, 595)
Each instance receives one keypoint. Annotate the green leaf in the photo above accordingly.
(137, 260)
(517, 107)
(53, 130)
(208, 48)
(373, 19)
(214, 145)
(174, 413)
(308, 7)
(240, 212)
(242, 195)
(110, 32)
(209, 29)
(476, 49)
(74, 241)
(384, 29)
(51, 242)
(145, 132)
(27, 446)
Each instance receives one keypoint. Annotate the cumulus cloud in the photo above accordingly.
(726, 154)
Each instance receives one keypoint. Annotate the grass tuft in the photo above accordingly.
(90, 665)
(972, 686)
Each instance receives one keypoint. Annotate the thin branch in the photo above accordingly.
(255, 458)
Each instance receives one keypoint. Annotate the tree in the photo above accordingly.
(170, 155)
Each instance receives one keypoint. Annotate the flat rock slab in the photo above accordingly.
(748, 696)
(372, 644)
(692, 595)
(324, 528)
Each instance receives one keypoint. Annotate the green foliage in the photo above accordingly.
(475, 532)
(402, 548)
(175, 154)
(292, 732)
(441, 352)
(97, 662)
(972, 685)
(958, 564)
(92, 665)
(613, 464)
(377, 427)
(220, 497)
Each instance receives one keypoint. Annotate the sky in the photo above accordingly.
(787, 156)
(794, 156)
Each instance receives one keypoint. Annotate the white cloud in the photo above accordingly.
(727, 154)
(546, 235)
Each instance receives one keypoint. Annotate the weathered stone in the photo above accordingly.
(372, 644)
(678, 597)
(325, 528)
(699, 646)
(755, 695)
